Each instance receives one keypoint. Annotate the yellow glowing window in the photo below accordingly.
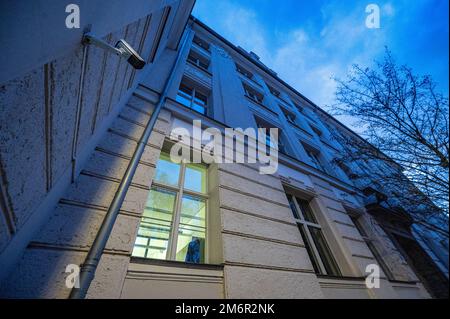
(174, 222)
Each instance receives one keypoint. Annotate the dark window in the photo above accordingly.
(274, 91)
(318, 250)
(317, 131)
(314, 157)
(304, 112)
(201, 43)
(372, 248)
(281, 145)
(306, 211)
(198, 60)
(291, 118)
(311, 254)
(244, 72)
(324, 251)
(253, 94)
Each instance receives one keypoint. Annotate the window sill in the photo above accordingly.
(200, 68)
(204, 51)
(261, 105)
(173, 263)
(403, 282)
(340, 277)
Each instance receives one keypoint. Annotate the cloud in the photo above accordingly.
(305, 59)
(310, 61)
(388, 9)
(307, 54)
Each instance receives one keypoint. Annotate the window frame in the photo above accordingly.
(369, 242)
(315, 159)
(290, 117)
(192, 97)
(201, 43)
(274, 91)
(253, 94)
(304, 111)
(241, 70)
(261, 123)
(310, 245)
(199, 61)
(180, 191)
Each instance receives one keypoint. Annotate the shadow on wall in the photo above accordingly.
(43, 127)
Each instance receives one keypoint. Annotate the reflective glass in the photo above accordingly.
(195, 178)
(192, 231)
(154, 230)
(167, 172)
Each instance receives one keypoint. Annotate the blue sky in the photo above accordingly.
(308, 42)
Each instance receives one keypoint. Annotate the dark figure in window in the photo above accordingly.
(193, 253)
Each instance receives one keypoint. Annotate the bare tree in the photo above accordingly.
(406, 124)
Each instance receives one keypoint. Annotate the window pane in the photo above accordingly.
(192, 59)
(195, 178)
(138, 252)
(372, 248)
(199, 108)
(200, 98)
(185, 89)
(315, 160)
(358, 226)
(312, 257)
(203, 64)
(154, 229)
(167, 172)
(192, 232)
(293, 208)
(306, 211)
(324, 251)
(183, 99)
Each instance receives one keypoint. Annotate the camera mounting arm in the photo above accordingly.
(122, 49)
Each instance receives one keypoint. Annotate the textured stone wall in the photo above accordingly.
(263, 251)
(69, 233)
(46, 131)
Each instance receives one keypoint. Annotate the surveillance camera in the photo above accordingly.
(122, 49)
(133, 57)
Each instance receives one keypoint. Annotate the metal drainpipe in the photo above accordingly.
(88, 268)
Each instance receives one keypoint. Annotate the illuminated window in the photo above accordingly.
(173, 225)
(318, 250)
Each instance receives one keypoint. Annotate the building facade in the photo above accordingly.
(188, 230)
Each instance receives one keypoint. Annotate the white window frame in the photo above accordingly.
(252, 94)
(192, 97)
(195, 59)
(301, 221)
(179, 190)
